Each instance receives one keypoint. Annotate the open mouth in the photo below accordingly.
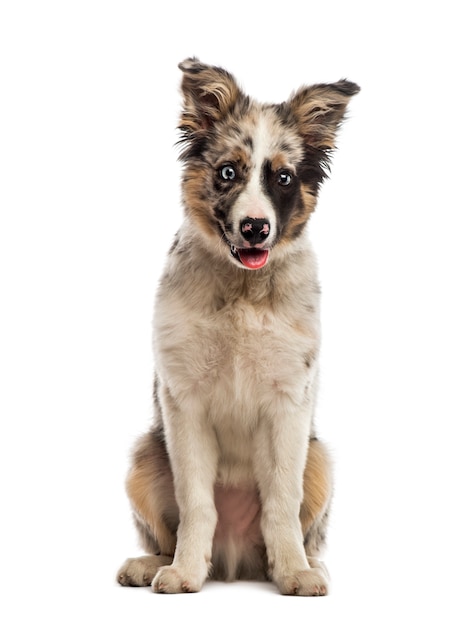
(252, 258)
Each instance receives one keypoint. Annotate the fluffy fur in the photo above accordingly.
(231, 481)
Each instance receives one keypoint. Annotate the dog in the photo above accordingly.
(231, 482)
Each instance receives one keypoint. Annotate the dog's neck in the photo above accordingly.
(222, 283)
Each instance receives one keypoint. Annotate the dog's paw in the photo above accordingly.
(307, 582)
(176, 580)
(140, 572)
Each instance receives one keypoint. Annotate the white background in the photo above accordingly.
(89, 186)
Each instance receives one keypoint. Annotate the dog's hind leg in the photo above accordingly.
(317, 490)
(150, 489)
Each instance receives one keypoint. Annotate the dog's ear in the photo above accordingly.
(209, 94)
(319, 110)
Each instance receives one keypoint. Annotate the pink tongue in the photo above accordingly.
(252, 258)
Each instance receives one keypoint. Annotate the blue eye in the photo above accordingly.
(284, 178)
(228, 172)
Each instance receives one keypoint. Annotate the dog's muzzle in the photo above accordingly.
(254, 232)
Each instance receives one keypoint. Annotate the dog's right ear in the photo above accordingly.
(209, 94)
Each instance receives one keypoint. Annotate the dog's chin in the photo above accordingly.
(250, 258)
(246, 258)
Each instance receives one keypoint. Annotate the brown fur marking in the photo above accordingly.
(316, 485)
(150, 489)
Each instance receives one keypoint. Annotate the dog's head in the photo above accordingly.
(252, 171)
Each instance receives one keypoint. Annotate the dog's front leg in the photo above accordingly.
(282, 442)
(193, 453)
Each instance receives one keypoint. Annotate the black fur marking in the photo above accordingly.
(346, 87)
(284, 198)
(309, 359)
(225, 201)
(219, 213)
(175, 243)
(314, 168)
(248, 141)
(192, 145)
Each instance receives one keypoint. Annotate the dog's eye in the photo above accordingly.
(284, 178)
(227, 172)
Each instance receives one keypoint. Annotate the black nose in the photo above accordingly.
(254, 230)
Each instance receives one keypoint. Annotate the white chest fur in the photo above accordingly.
(233, 350)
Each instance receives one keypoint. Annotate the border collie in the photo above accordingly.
(231, 482)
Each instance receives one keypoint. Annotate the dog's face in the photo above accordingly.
(252, 171)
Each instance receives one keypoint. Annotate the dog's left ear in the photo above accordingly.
(320, 109)
(209, 94)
